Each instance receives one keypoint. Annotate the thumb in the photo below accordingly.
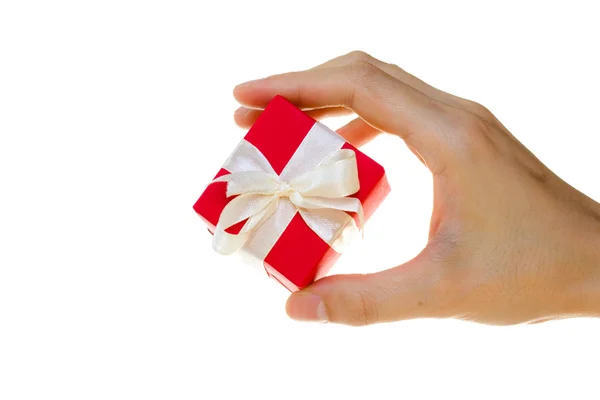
(411, 290)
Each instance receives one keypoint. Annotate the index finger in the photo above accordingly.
(383, 101)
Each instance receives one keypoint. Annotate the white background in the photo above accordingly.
(114, 115)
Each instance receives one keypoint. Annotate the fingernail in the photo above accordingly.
(249, 83)
(306, 307)
(242, 111)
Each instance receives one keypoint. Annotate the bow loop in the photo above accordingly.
(250, 182)
(336, 176)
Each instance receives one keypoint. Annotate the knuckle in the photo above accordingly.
(350, 300)
(472, 125)
(359, 55)
(471, 132)
(397, 67)
(365, 312)
(479, 109)
(353, 307)
(361, 71)
(457, 128)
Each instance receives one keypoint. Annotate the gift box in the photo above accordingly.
(291, 196)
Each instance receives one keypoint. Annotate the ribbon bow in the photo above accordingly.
(319, 195)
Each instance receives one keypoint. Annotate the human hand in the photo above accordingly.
(509, 241)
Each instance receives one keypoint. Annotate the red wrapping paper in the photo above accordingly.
(299, 256)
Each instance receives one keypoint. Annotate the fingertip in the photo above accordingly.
(237, 90)
(245, 117)
(240, 121)
(346, 299)
(306, 306)
(242, 112)
(249, 93)
(248, 83)
(238, 94)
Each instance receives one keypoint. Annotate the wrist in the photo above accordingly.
(583, 296)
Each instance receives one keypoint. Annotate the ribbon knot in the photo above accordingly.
(285, 190)
(319, 195)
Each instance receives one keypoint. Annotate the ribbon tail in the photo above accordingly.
(247, 182)
(335, 227)
(253, 208)
(335, 178)
(226, 243)
(349, 204)
(330, 220)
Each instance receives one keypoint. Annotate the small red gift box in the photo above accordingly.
(290, 140)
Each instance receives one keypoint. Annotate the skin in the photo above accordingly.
(509, 241)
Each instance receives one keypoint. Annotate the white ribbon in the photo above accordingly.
(269, 201)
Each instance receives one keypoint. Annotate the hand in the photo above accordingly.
(509, 241)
